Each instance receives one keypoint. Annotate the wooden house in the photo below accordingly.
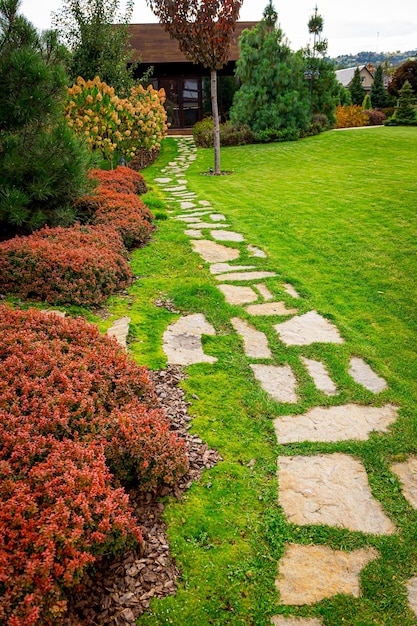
(181, 79)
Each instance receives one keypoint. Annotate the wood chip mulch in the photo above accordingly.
(121, 589)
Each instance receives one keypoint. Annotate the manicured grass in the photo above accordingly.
(336, 215)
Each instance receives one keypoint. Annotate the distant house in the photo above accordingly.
(181, 79)
(366, 72)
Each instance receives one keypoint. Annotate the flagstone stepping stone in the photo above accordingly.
(306, 329)
(226, 235)
(320, 375)
(362, 374)
(53, 312)
(412, 594)
(330, 489)
(214, 252)
(193, 233)
(264, 291)
(187, 205)
(270, 308)
(278, 381)
(189, 216)
(182, 182)
(163, 181)
(204, 203)
(238, 295)
(177, 188)
(120, 330)
(280, 620)
(308, 574)
(254, 341)
(222, 268)
(182, 340)
(209, 225)
(217, 217)
(291, 290)
(254, 251)
(193, 220)
(335, 423)
(407, 473)
(245, 276)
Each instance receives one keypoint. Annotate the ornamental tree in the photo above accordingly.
(204, 31)
(406, 71)
(357, 92)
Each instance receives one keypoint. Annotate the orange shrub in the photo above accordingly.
(350, 116)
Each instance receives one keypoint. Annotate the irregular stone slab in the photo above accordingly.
(254, 251)
(238, 295)
(280, 620)
(278, 381)
(214, 252)
(182, 340)
(181, 181)
(362, 374)
(120, 330)
(407, 473)
(217, 217)
(308, 574)
(191, 220)
(193, 233)
(335, 423)
(254, 341)
(306, 329)
(163, 181)
(54, 312)
(270, 308)
(208, 225)
(187, 205)
(412, 594)
(245, 276)
(176, 189)
(320, 375)
(264, 291)
(204, 203)
(226, 235)
(188, 217)
(291, 290)
(222, 268)
(330, 489)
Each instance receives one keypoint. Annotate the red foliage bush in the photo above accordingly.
(80, 265)
(374, 117)
(73, 409)
(122, 179)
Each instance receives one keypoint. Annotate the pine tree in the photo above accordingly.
(406, 113)
(273, 94)
(379, 96)
(357, 92)
(43, 166)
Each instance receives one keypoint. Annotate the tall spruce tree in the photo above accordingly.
(357, 92)
(379, 95)
(406, 114)
(323, 85)
(273, 94)
(43, 166)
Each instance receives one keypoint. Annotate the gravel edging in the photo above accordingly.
(121, 589)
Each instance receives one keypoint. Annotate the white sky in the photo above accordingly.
(350, 27)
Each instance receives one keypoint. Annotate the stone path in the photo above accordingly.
(319, 489)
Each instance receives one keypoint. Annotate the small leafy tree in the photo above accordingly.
(406, 71)
(367, 104)
(379, 96)
(98, 48)
(357, 92)
(43, 165)
(273, 95)
(406, 114)
(204, 31)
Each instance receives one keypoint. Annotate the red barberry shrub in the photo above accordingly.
(374, 117)
(78, 265)
(126, 213)
(77, 419)
(122, 179)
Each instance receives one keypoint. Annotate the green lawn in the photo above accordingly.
(336, 215)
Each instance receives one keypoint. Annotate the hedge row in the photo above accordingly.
(77, 421)
(81, 265)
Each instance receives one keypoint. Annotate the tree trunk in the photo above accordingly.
(216, 130)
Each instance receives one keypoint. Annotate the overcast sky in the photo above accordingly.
(350, 27)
